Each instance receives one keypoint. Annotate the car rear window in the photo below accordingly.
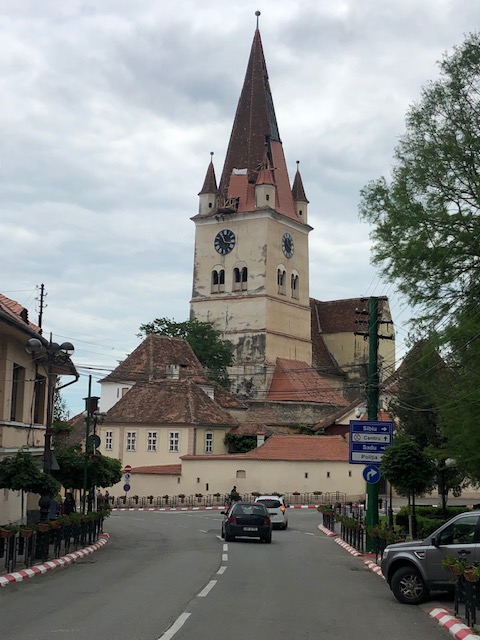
(271, 504)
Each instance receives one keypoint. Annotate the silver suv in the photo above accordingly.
(413, 569)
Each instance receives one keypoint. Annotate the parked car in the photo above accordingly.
(246, 519)
(413, 569)
(277, 509)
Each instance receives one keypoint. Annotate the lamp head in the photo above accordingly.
(67, 348)
(34, 346)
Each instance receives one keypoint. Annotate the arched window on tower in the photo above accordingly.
(281, 281)
(214, 282)
(244, 278)
(295, 286)
(237, 279)
(218, 281)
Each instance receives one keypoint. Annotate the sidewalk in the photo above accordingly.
(24, 574)
(442, 615)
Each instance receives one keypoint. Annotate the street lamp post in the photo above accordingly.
(49, 354)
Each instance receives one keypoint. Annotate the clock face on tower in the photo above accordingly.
(224, 241)
(287, 245)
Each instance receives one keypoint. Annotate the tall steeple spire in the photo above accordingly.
(255, 126)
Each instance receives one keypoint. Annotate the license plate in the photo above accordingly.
(250, 528)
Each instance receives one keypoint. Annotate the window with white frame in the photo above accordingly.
(208, 442)
(108, 440)
(131, 441)
(174, 441)
(151, 440)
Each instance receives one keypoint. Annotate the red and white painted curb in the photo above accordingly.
(373, 566)
(346, 546)
(24, 574)
(458, 630)
(330, 534)
(214, 508)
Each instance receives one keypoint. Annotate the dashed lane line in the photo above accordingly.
(206, 590)
(222, 570)
(178, 624)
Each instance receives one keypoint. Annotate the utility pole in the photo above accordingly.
(41, 306)
(373, 393)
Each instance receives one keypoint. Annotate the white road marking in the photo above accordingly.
(222, 570)
(225, 547)
(132, 518)
(307, 533)
(224, 557)
(204, 592)
(178, 624)
(203, 530)
(219, 537)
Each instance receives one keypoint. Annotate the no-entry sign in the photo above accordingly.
(127, 468)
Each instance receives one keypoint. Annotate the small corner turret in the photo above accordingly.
(265, 188)
(299, 197)
(208, 193)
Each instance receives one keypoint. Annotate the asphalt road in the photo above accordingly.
(167, 575)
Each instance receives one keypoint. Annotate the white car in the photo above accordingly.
(277, 510)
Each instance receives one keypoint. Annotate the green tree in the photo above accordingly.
(460, 408)
(426, 219)
(214, 354)
(102, 471)
(240, 444)
(21, 472)
(409, 469)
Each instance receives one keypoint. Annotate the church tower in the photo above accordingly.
(251, 265)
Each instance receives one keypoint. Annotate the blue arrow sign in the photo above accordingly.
(371, 474)
(368, 441)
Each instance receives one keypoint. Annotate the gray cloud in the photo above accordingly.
(110, 111)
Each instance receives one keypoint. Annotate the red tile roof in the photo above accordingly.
(150, 359)
(13, 310)
(179, 402)
(160, 470)
(302, 448)
(338, 316)
(295, 381)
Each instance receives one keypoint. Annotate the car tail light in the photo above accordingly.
(267, 520)
(232, 520)
(282, 508)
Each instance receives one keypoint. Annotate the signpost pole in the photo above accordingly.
(373, 392)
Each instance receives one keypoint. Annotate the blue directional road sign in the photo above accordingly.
(371, 474)
(368, 440)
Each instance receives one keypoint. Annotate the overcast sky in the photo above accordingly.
(110, 109)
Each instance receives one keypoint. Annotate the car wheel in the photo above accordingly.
(408, 586)
(285, 526)
(228, 537)
(268, 539)
(222, 535)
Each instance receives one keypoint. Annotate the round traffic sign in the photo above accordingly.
(127, 468)
(126, 487)
(95, 440)
(371, 474)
